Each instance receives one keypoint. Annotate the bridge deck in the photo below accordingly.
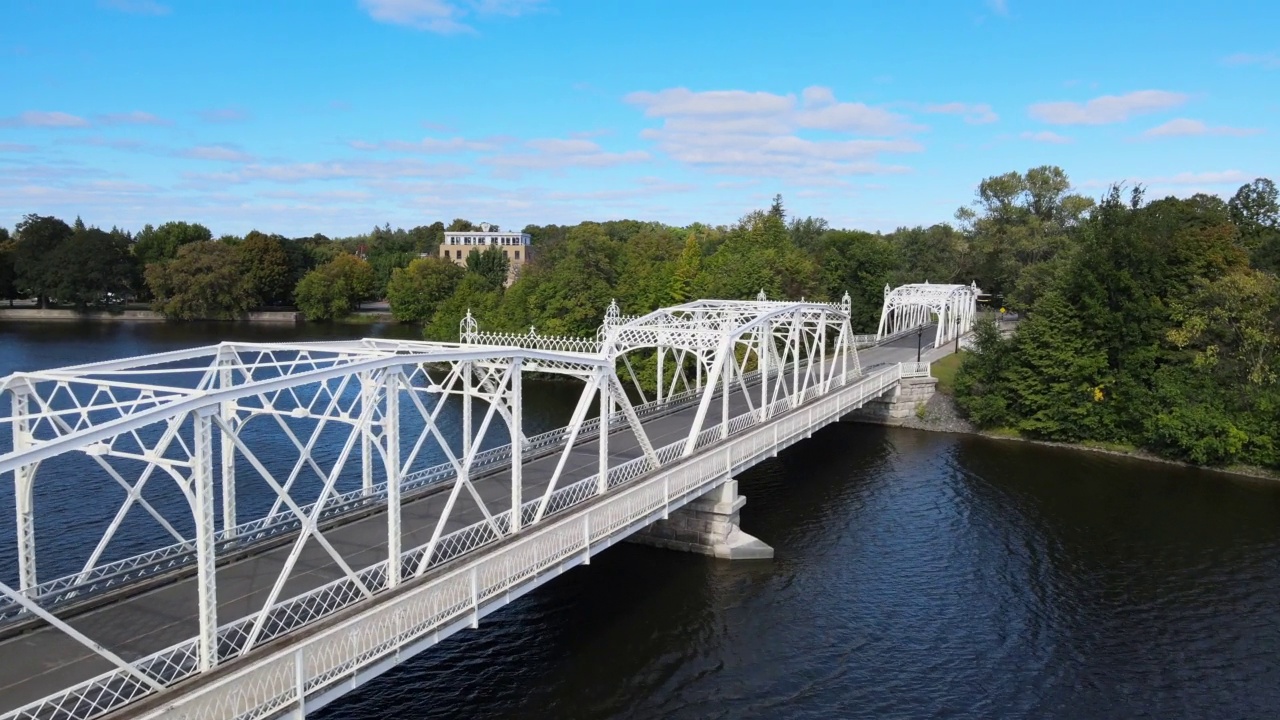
(45, 661)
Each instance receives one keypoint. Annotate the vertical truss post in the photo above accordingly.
(765, 333)
(606, 412)
(368, 396)
(466, 408)
(24, 486)
(391, 437)
(661, 352)
(202, 492)
(517, 446)
(726, 377)
(796, 339)
(231, 420)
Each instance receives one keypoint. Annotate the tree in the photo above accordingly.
(334, 289)
(204, 281)
(8, 269)
(474, 294)
(1255, 211)
(157, 244)
(861, 264)
(416, 291)
(266, 263)
(36, 254)
(758, 254)
(688, 266)
(573, 283)
(492, 265)
(461, 225)
(94, 268)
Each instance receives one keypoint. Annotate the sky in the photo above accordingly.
(333, 116)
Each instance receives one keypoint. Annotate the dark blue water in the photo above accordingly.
(917, 576)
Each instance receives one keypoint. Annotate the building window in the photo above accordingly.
(459, 254)
(517, 255)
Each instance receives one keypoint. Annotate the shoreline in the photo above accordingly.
(940, 415)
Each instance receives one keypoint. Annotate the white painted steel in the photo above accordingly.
(952, 307)
(801, 355)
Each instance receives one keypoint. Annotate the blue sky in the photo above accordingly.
(335, 115)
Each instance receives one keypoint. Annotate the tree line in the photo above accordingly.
(1153, 324)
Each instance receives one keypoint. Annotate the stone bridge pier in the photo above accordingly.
(708, 525)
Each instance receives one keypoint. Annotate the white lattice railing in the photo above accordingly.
(114, 689)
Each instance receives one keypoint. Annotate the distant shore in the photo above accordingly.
(33, 314)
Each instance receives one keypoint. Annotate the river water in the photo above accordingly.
(917, 575)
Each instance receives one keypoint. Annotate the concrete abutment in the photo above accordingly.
(708, 526)
(897, 405)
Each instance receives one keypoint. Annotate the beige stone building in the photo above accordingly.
(515, 245)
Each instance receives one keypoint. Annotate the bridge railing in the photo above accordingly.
(456, 599)
(101, 578)
(116, 688)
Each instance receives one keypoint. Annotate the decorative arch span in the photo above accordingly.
(951, 308)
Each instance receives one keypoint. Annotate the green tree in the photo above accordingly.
(685, 276)
(492, 265)
(861, 264)
(474, 294)
(267, 265)
(93, 268)
(38, 239)
(8, 268)
(573, 283)
(758, 254)
(1255, 211)
(204, 281)
(157, 244)
(416, 291)
(461, 225)
(335, 289)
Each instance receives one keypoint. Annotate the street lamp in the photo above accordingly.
(919, 335)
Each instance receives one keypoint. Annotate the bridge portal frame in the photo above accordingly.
(952, 307)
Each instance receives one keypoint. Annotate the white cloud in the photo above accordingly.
(223, 115)
(1106, 109)
(430, 146)
(1044, 136)
(974, 114)
(747, 133)
(1184, 127)
(444, 17)
(46, 119)
(217, 153)
(355, 170)
(136, 7)
(685, 102)
(137, 117)
(559, 153)
(1269, 61)
(999, 7)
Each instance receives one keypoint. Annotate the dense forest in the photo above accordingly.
(1148, 323)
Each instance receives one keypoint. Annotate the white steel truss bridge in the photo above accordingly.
(248, 529)
(951, 308)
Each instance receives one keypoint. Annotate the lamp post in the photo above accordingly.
(919, 336)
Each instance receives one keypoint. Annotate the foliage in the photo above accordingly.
(8, 269)
(93, 269)
(860, 263)
(267, 265)
(35, 254)
(157, 244)
(416, 291)
(1153, 331)
(474, 294)
(492, 265)
(334, 289)
(204, 281)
